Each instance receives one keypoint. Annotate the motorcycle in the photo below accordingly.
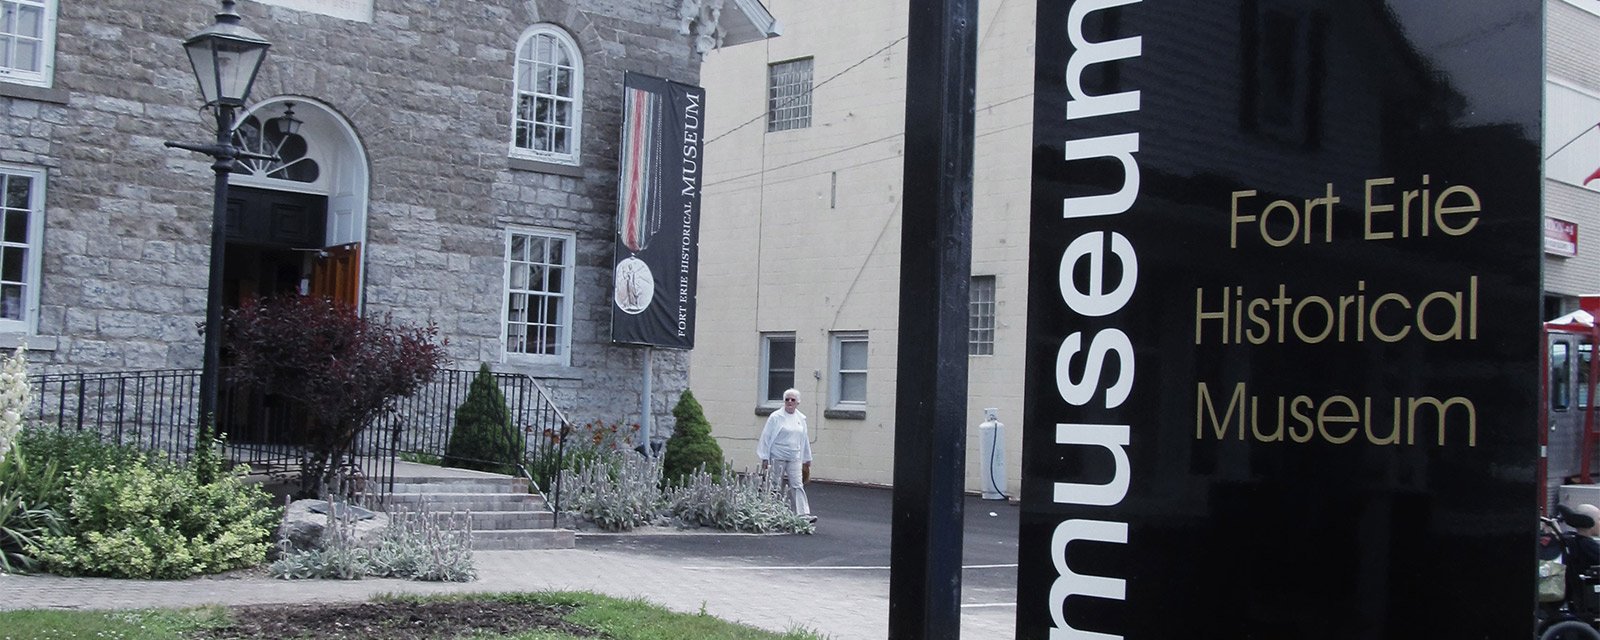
(1569, 580)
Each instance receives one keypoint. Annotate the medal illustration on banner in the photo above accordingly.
(638, 192)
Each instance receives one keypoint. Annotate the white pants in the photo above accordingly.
(789, 475)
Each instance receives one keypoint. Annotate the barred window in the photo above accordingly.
(980, 321)
(789, 95)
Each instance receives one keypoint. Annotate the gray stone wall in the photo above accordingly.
(426, 86)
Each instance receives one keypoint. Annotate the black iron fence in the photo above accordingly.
(157, 410)
(151, 410)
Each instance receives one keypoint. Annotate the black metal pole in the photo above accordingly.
(210, 372)
(935, 267)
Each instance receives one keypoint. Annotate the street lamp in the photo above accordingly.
(226, 57)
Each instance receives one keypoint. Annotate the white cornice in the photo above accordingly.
(749, 23)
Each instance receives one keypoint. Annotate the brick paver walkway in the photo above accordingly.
(842, 604)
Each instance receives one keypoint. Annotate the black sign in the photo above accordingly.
(658, 212)
(1283, 321)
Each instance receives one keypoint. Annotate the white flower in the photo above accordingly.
(14, 393)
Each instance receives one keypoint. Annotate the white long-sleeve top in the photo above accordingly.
(784, 438)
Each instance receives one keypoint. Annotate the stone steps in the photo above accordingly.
(504, 515)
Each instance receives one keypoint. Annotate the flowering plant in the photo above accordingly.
(581, 446)
(14, 395)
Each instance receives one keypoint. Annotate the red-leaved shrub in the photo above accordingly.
(341, 369)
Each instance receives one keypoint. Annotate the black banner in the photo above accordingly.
(1283, 321)
(658, 212)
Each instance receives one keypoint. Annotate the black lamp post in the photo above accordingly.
(226, 57)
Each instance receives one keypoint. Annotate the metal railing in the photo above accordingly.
(156, 410)
(423, 423)
(152, 410)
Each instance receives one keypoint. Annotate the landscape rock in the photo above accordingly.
(305, 524)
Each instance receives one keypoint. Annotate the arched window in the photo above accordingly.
(276, 138)
(547, 109)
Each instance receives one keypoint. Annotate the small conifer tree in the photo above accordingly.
(484, 438)
(691, 444)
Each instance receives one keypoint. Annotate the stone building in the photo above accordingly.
(456, 164)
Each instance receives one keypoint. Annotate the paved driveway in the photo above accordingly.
(852, 544)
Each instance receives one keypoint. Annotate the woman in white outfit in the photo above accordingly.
(785, 452)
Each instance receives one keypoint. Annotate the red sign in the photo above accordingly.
(1561, 237)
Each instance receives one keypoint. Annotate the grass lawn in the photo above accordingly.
(523, 616)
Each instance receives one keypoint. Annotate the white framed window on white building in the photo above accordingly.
(980, 318)
(547, 108)
(777, 367)
(27, 41)
(538, 308)
(847, 371)
(789, 95)
(21, 237)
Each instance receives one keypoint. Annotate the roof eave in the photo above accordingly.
(749, 23)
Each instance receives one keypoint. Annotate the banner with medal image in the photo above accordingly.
(658, 213)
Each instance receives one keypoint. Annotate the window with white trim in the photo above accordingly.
(21, 235)
(980, 317)
(777, 367)
(789, 95)
(538, 311)
(27, 41)
(547, 109)
(847, 373)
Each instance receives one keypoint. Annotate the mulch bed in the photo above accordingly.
(397, 620)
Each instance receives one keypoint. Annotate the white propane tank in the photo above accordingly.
(992, 446)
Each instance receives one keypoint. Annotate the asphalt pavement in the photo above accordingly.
(853, 535)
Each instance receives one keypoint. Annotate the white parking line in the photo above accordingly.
(834, 568)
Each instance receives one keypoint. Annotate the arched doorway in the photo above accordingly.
(307, 209)
(296, 224)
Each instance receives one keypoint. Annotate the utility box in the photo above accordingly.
(992, 446)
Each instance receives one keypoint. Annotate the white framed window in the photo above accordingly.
(547, 108)
(789, 95)
(27, 41)
(847, 370)
(777, 367)
(21, 237)
(980, 316)
(538, 311)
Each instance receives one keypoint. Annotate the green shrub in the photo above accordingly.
(619, 492)
(623, 491)
(421, 457)
(732, 503)
(69, 451)
(691, 447)
(25, 513)
(417, 545)
(33, 486)
(484, 437)
(81, 449)
(155, 520)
